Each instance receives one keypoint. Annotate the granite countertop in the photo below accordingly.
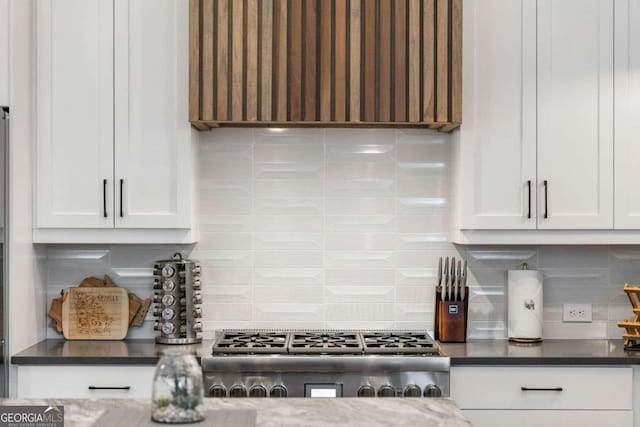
(271, 412)
(475, 352)
(548, 352)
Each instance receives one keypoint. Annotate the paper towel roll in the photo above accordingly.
(524, 304)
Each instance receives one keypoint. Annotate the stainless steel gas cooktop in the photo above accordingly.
(325, 363)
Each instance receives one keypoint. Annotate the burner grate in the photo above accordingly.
(399, 343)
(328, 342)
(248, 342)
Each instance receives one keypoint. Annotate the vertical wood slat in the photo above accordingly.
(456, 62)
(295, 60)
(222, 61)
(369, 60)
(384, 62)
(400, 61)
(280, 59)
(414, 61)
(207, 60)
(341, 61)
(237, 66)
(266, 59)
(428, 61)
(310, 59)
(325, 60)
(251, 34)
(354, 68)
(194, 60)
(442, 60)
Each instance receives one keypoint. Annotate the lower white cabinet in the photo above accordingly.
(84, 381)
(531, 396)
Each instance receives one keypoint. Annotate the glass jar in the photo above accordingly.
(178, 392)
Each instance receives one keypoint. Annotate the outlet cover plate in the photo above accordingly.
(577, 313)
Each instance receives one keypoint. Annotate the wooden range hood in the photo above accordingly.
(325, 63)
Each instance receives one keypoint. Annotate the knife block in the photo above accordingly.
(451, 318)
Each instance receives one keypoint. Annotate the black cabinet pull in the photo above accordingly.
(541, 389)
(546, 201)
(104, 198)
(121, 185)
(529, 186)
(93, 387)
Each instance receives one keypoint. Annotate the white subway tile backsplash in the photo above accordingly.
(342, 228)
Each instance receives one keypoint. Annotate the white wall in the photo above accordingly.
(4, 52)
(27, 290)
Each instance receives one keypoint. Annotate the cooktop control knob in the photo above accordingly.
(386, 391)
(432, 390)
(278, 391)
(238, 390)
(412, 390)
(217, 390)
(258, 390)
(366, 391)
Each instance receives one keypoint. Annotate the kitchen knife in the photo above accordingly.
(452, 282)
(458, 282)
(440, 272)
(445, 283)
(464, 281)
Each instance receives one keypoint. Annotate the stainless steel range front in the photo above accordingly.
(322, 363)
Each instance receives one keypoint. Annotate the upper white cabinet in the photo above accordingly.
(498, 139)
(627, 110)
(4, 53)
(114, 159)
(575, 114)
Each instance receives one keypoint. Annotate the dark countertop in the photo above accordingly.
(549, 352)
(476, 352)
(127, 352)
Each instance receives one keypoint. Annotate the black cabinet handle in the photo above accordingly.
(546, 201)
(93, 387)
(529, 186)
(541, 389)
(104, 198)
(121, 185)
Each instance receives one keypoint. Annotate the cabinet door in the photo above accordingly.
(498, 135)
(74, 114)
(627, 114)
(482, 418)
(152, 134)
(575, 114)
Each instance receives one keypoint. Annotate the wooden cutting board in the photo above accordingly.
(95, 314)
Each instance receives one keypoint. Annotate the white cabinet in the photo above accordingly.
(575, 114)
(84, 381)
(627, 107)
(114, 147)
(498, 137)
(4, 53)
(544, 395)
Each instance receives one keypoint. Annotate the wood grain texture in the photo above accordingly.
(222, 60)
(341, 61)
(428, 61)
(207, 59)
(280, 59)
(369, 60)
(414, 61)
(325, 60)
(400, 61)
(442, 60)
(266, 59)
(295, 60)
(95, 314)
(384, 62)
(310, 59)
(251, 35)
(354, 58)
(456, 62)
(237, 56)
(194, 60)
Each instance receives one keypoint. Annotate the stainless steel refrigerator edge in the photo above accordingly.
(4, 179)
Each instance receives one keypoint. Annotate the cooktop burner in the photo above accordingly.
(252, 342)
(324, 342)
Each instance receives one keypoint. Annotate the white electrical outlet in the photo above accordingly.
(577, 313)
